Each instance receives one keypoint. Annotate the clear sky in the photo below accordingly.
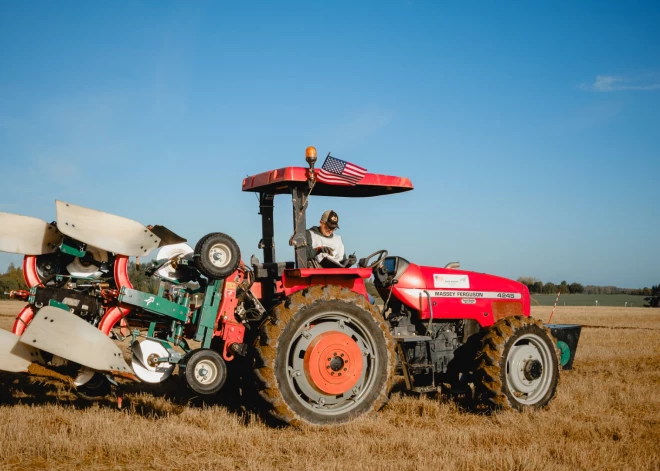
(531, 130)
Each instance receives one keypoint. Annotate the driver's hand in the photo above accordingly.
(350, 261)
(328, 250)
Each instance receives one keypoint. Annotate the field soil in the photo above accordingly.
(606, 416)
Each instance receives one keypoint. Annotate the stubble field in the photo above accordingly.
(606, 416)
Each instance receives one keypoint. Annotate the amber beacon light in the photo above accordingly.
(310, 157)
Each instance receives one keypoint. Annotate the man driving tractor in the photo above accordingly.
(325, 246)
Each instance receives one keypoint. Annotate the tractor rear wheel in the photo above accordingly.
(518, 365)
(324, 356)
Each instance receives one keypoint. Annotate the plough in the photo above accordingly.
(80, 299)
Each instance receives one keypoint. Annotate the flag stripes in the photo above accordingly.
(339, 172)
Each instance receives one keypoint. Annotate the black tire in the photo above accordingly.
(315, 333)
(518, 365)
(98, 386)
(460, 370)
(51, 264)
(217, 255)
(205, 371)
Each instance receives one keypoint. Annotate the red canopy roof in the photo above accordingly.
(281, 180)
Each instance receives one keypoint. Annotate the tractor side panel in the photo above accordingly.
(460, 294)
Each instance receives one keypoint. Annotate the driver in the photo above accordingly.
(326, 247)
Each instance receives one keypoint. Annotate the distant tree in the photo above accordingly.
(563, 286)
(11, 280)
(140, 280)
(576, 288)
(654, 299)
(550, 288)
(528, 281)
(537, 287)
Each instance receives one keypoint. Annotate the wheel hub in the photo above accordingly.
(533, 370)
(333, 363)
(205, 372)
(152, 360)
(336, 364)
(219, 255)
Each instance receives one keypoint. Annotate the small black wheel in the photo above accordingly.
(96, 387)
(205, 371)
(217, 255)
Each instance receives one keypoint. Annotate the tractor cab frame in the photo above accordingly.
(301, 183)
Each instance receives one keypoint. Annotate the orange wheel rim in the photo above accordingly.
(333, 363)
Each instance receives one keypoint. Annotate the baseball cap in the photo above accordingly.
(331, 219)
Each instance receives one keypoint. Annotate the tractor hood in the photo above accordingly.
(457, 293)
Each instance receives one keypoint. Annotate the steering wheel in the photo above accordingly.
(380, 254)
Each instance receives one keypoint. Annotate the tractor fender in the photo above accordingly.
(294, 280)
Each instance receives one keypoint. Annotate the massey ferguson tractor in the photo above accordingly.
(306, 338)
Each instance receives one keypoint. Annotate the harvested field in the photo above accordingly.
(606, 416)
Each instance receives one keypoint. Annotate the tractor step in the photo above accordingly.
(424, 389)
(420, 365)
(412, 338)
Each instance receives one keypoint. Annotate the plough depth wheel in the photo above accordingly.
(205, 371)
(324, 357)
(218, 255)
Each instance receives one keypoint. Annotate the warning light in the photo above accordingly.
(310, 155)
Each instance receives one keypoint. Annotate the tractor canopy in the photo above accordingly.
(296, 181)
(283, 180)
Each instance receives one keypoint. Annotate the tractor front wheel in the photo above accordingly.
(518, 365)
(325, 356)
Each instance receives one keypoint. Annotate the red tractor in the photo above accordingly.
(321, 352)
(325, 353)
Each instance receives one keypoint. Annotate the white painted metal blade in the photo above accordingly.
(64, 334)
(27, 235)
(15, 357)
(85, 375)
(105, 231)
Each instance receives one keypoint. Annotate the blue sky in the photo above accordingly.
(530, 131)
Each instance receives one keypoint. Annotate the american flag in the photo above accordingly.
(339, 172)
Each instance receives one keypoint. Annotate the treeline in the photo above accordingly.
(12, 280)
(536, 286)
